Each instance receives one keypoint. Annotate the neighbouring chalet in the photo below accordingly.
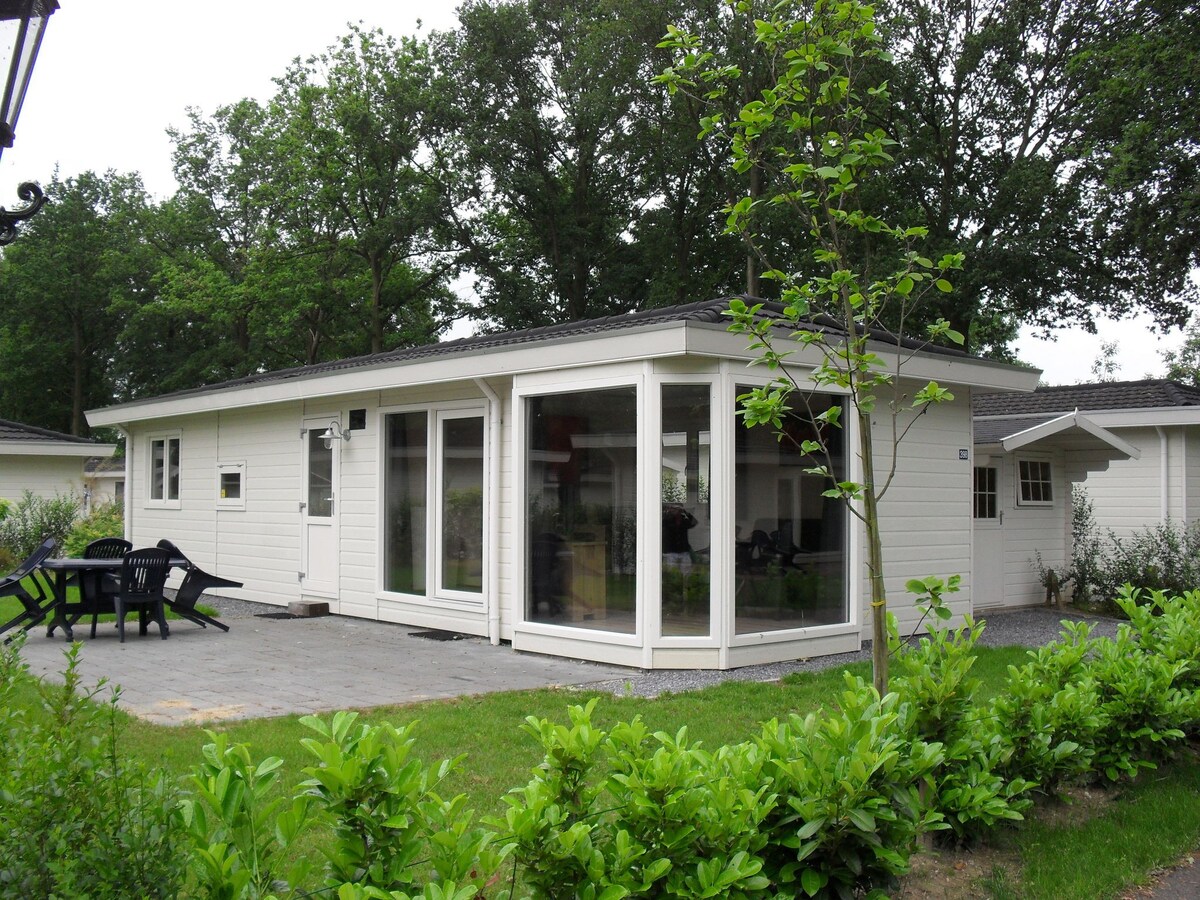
(1133, 445)
(45, 463)
(584, 490)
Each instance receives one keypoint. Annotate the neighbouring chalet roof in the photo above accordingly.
(1046, 402)
(104, 465)
(709, 312)
(15, 432)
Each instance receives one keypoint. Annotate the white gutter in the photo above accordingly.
(126, 506)
(1183, 473)
(495, 420)
(1164, 498)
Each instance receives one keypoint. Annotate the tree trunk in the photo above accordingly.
(879, 649)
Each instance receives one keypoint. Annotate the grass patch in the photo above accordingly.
(1145, 826)
(1080, 852)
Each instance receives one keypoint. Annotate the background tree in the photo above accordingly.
(355, 125)
(79, 265)
(590, 194)
(989, 103)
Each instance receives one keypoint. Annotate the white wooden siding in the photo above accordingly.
(925, 517)
(44, 476)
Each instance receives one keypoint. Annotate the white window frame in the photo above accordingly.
(543, 384)
(1020, 481)
(165, 501)
(225, 467)
(855, 545)
(435, 414)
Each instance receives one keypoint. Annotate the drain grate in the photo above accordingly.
(276, 616)
(436, 635)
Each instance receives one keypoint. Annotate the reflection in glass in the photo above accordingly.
(320, 476)
(581, 508)
(404, 484)
(462, 504)
(686, 524)
(790, 540)
(157, 469)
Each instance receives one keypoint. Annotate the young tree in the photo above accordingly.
(822, 150)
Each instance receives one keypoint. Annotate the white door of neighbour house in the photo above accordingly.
(987, 570)
(319, 512)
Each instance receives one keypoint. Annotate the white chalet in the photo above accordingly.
(583, 490)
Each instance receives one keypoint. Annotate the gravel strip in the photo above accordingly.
(1028, 627)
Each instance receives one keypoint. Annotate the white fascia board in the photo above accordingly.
(979, 374)
(1068, 422)
(1133, 418)
(667, 339)
(55, 448)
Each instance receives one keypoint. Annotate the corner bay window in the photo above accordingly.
(581, 509)
(790, 540)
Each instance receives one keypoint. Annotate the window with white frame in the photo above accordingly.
(433, 485)
(231, 484)
(1034, 483)
(164, 470)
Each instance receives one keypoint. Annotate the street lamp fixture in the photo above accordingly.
(22, 25)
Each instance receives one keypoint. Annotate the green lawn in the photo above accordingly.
(11, 606)
(1077, 856)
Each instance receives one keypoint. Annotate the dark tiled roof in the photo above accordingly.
(706, 312)
(993, 431)
(15, 431)
(1155, 393)
(104, 465)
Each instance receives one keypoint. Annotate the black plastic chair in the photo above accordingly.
(195, 582)
(35, 606)
(143, 574)
(95, 587)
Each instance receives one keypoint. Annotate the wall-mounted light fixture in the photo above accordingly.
(22, 24)
(334, 433)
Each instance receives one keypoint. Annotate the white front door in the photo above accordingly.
(319, 513)
(987, 569)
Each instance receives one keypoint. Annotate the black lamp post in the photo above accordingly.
(22, 24)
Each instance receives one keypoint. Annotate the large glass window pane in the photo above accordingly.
(790, 557)
(320, 476)
(462, 504)
(581, 509)
(173, 468)
(686, 524)
(406, 468)
(157, 469)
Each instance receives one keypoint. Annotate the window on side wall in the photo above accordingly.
(164, 470)
(231, 485)
(1034, 486)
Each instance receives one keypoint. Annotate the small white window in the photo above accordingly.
(1034, 482)
(231, 485)
(164, 471)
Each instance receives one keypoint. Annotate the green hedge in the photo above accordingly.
(828, 805)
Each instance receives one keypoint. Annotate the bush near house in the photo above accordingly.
(33, 519)
(826, 805)
(1163, 557)
(105, 520)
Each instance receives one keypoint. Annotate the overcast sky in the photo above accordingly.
(112, 75)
